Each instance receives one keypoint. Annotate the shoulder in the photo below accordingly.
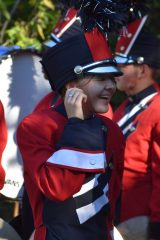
(40, 122)
(156, 100)
(154, 108)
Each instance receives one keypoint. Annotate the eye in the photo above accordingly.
(101, 78)
(111, 78)
(114, 81)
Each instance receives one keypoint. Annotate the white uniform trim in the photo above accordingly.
(88, 186)
(79, 160)
(88, 211)
(136, 34)
(66, 27)
(135, 109)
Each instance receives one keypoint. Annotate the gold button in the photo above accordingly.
(129, 35)
(132, 128)
(111, 165)
(122, 48)
(104, 128)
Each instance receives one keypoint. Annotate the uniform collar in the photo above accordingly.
(139, 96)
(61, 109)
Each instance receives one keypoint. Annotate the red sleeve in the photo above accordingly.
(154, 225)
(3, 141)
(46, 102)
(36, 141)
(115, 153)
(118, 166)
(155, 162)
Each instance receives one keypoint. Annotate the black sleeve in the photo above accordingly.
(83, 134)
(154, 230)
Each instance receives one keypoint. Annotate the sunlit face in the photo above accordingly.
(127, 81)
(99, 90)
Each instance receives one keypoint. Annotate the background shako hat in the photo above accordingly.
(67, 26)
(83, 54)
(138, 45)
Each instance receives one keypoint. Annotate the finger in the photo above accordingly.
(71, 91)
(72, 98)
(68, 95)
(84, 98)
(80, 99)
(76, 95)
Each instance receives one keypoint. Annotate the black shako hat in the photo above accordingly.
(138, 45)
(84, 54)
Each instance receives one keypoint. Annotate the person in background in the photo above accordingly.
(138, 56)
(3, 142)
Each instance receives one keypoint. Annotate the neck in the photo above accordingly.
(139, 87)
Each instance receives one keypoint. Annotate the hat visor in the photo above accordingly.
(105, 70)
(107, 66)
(53, 41)
(123, 60)
(50, 43)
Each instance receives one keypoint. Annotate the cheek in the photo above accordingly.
(91, 90)
(114, 89)
(130, 79)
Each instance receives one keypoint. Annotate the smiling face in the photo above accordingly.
(99, 90)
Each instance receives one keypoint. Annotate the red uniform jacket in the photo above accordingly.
(141, 178)
(57, 175)
(3, 141)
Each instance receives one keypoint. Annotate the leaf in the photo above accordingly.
(4, 11)
(49, 4)
(40, 31)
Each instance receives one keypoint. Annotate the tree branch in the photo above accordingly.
(5, 25)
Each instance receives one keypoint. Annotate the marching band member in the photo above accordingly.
(73, 159)
(3, 141)
(138, 56)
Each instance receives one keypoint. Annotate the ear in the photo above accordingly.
(71, 85)
(142, 70)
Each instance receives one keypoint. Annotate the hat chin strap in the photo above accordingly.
(93, 67)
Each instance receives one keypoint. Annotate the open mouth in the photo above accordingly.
(104, 98)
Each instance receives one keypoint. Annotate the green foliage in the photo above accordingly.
(154, 17)
(3, 9)
(30, 24)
